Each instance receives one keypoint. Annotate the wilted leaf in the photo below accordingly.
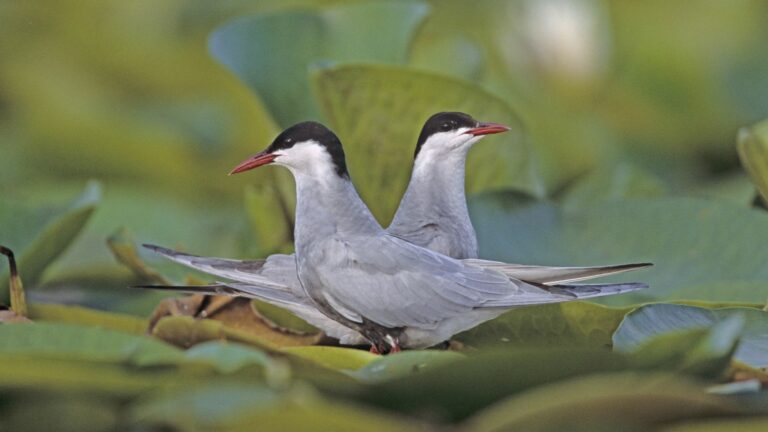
(359, 100)
(186, 331)
(370, 31)
(572, 324)
(702, 250)
(39, 236)
(606, 402)
(653, 320)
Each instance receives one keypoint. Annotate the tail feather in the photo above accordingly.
(554, 275)
(246, 271)
(563, 293)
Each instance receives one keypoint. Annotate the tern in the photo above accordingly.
(433, 214)
(392, 292)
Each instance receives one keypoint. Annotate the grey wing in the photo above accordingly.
(554, 275)
(396, 284)
(276, 272)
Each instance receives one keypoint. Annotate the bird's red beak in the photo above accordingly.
(487, 129)
(254, 161)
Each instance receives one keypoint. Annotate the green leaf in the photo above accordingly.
(752, 145)
(572, 324)
(404, 364)
(88, 317)
(36, 247)
(123, 247)
(78, 342)
(752, 424)
(282, 319)
(456, 389)
(227, 357)
(272, 52)
(334, 357)
(653, 320)
(607, 402)
(613, 183)
(703, 250)
(376, 107)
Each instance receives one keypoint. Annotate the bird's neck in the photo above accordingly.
(327, 205)
(435, 194)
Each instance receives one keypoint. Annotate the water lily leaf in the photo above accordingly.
(78, 342)
(613, 183)
(88, 317)
(573, 324)
(39, 236)
(203, 407)
(371, 31)
(456, 389)
(63, 413)
(334, 357)
(705, 352)
(752, 424)
(652, 320)
(376, 107)
(607, 402)
(752, 145)
(703, 250)
(227, 357)
(404, 364)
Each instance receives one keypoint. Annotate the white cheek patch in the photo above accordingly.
(307, 157)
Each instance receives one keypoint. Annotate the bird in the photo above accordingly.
(394, 293)
(433, 213)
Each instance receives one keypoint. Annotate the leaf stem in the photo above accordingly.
(18, 300)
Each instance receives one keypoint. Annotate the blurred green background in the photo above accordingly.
(638, 134)
(608, 99)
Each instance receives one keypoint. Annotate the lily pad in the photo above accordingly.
(79, 315)
(619, 401)
(334, 357)
(653, 320)
(378, 112)
(703, 250)
(404, 364)
(370, 31)
(571, 324)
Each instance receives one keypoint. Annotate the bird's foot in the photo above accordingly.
(375, 350)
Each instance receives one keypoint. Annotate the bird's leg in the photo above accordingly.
(374, 350)
(393, 343)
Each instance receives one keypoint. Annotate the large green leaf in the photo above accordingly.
(649, 321)
(40, 235)
(753, 151)
(88, 317)
(379, 110)
(702, 250)
(606, 402)
(404, 364)
(86, 343)
(571, 324)
(456, 389)
(273, 52)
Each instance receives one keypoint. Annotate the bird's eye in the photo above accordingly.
(445, 126)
